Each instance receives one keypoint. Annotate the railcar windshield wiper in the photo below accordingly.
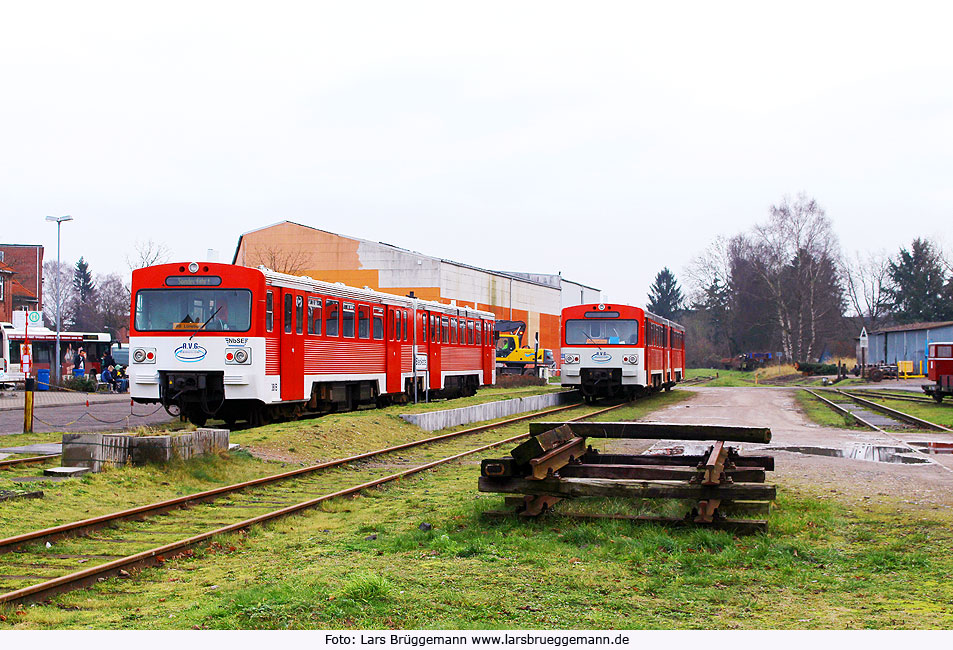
(207, 322)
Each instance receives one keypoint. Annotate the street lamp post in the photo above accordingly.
(59, 296)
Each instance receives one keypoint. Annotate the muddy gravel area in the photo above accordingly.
(874, 471)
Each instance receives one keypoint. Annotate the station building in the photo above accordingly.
(889, 345)
(533, 298)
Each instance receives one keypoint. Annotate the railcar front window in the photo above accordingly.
(168, 310)
(619, 331)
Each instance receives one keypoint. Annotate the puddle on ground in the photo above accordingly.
(933, 447)
(860, 451)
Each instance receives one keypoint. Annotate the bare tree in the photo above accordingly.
(147, 253)
(61, 294)
(292, 260)
(114, 301)
(866, 278)
(795, 254)
(711, 267)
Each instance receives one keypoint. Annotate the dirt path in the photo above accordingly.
(924, 485)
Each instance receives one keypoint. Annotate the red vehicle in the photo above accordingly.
(231, 342)
(939, 371)
(612, 350)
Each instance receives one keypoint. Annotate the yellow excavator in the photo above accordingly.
(512, 358)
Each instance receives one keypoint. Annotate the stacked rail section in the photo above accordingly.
(720, 487)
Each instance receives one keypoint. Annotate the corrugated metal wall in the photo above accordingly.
(889, 347)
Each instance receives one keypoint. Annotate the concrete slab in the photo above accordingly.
(66, 472)
(41, 449)
(436, 420)
(39, 479)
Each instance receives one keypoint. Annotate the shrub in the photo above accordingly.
(514, 381)
(81, 384)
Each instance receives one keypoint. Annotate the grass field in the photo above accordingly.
(826, 562)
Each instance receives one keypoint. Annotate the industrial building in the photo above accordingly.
(535, 299)
(889, 345)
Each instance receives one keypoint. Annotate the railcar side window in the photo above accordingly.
(331, 318)
(314, 316)
(363, 322)
(469, 332)
(269, 311)
(445, 328)
(299, 314)
(378, 324)
(170, 310)
(289, 312)
(479, 330)
(397, 321)
(453, 330)
(423, 328)
(944, 351)
(347, 320)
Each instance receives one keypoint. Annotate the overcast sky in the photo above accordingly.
(603, 140)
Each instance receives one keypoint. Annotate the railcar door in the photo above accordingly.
(437, 330)
(392, 349)
(487, 352)
(422, 351)
(292, 344)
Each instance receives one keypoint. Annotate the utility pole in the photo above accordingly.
(59, 297)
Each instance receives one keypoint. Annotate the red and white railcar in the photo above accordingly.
(939, 370)
(231, 342)
(619, 350)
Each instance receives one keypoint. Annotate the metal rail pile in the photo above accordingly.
(556, 463)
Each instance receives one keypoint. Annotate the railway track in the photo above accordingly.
(897, 418)
(42, 563)
(907, 397)
(13, 462)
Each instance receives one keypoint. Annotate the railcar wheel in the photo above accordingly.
(938, 397)
(198, 419)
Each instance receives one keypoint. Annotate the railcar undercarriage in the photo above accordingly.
(200, 396)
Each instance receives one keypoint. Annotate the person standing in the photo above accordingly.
(79, 362)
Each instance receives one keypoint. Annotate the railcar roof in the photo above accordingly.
(656, 317)
(344, 291)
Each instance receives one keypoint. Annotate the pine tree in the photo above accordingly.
(665, 296)
(918, 278)
(83, 281)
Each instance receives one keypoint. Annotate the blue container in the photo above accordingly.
(43, 379)
(79, 372)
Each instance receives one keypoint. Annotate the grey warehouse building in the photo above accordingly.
(907, 342)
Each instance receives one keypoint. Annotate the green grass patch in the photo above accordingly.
(364, 563)
(821, 414)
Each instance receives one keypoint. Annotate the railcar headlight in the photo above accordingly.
(570, 358)
(194, 267)
(238, 356)
(631, 359)
(144, 355)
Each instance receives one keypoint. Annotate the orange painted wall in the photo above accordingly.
(302, 250)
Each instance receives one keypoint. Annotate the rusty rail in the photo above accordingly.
(27, 461)
(159, 554)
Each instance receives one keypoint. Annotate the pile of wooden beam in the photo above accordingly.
(724, 488)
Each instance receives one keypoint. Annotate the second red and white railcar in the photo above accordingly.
(231, 342)
(619, 350)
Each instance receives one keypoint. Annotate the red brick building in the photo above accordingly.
(26, 289)
(6, 293)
